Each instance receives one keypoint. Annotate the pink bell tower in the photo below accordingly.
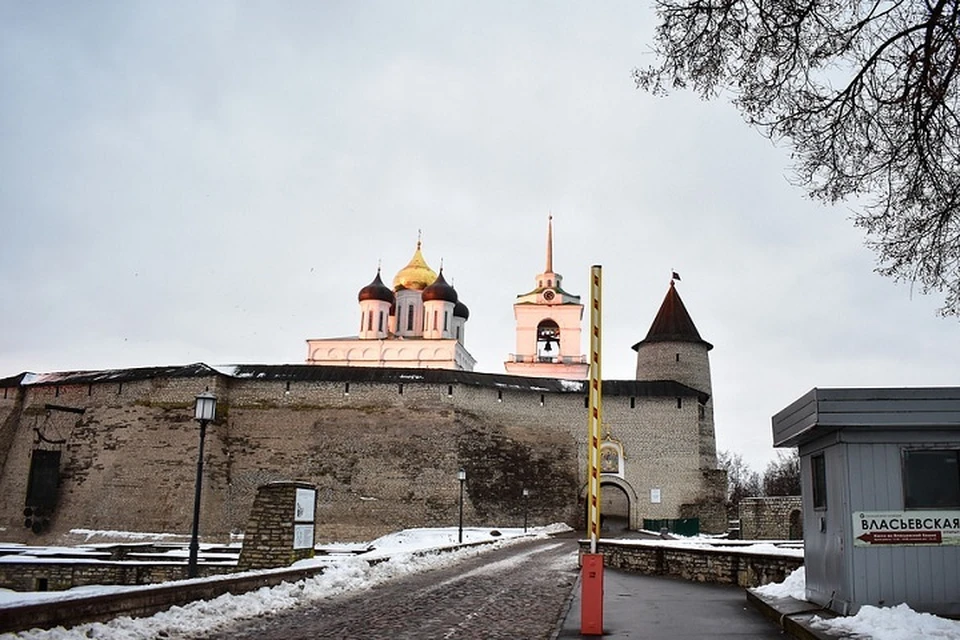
(548, 328)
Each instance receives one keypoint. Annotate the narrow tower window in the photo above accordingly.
(679, 403)
(445, 318)
(678, 357)
(633, 402)
(380, 323)
(410, 318)
(369, 320)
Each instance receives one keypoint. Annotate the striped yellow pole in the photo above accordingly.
(595, 414)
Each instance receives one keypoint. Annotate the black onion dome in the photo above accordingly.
(376, 290)
(460, 311)
(440, 290)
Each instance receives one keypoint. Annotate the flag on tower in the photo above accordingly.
(676, 276)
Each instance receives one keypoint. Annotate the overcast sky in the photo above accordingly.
(214, 181)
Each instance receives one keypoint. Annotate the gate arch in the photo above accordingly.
(618, 505)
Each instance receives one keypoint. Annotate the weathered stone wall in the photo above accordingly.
(717, 566)
(773, 518)
(383, 456)
(10, 412)
(53, 576)
(128, 460)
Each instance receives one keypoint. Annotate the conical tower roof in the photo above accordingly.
(673, 323)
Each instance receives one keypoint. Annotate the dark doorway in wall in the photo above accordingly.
(614, 509)
(796, 525)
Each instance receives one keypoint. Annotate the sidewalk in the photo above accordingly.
(639, 606)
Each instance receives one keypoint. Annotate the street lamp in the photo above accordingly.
(205, 411)
(526, 494)
(462, 477)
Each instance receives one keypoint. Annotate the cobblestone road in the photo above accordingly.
(517, 592)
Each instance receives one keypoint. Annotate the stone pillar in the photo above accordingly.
(281, 526)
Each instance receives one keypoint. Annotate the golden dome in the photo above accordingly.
(416, 275)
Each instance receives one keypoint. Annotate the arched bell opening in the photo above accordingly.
(548, 339)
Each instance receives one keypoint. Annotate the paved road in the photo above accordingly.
(639, 606)
(516, 592)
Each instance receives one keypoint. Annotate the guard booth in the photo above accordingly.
(880, 480)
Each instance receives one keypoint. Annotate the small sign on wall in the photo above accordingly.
(302, 536)
(655, 496)
(306, 499)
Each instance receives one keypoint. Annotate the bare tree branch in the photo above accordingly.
(865, 92)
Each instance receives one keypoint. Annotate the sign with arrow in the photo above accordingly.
(906, 528)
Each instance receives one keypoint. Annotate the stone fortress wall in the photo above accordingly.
(383, 447)
(771, 518)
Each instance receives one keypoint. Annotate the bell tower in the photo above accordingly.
(548, 328)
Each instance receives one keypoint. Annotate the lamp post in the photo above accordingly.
(526, 494)
(205, 411)
(462, 477)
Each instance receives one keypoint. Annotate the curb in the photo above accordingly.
(794, 616)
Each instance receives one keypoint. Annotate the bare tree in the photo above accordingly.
(742, 481)
(866, 92)
(782, 476)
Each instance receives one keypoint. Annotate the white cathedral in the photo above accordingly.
(420, 323)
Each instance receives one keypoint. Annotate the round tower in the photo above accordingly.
(673, 350)
(460, 316)
(439, 302)
(376, 301)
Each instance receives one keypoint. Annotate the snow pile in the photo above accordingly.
(892, 623)
(877, 623)
(794, 586)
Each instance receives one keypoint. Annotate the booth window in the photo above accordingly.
(931, 479)
(818, 469)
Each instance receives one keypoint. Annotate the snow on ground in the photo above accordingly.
(342, 574)
(787, 549)
(893, 623)
(877, 623)
(127, 535)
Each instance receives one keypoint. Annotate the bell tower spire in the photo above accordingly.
(548, 327)
(549, 268)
